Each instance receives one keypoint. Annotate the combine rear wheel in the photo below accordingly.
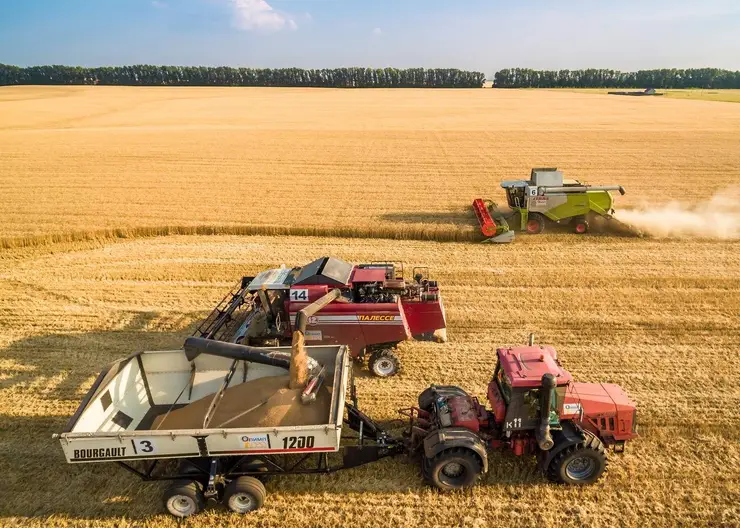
(184, 498)
(453, 469)
(384, 363)
(535, 224)
(580, 464)
(245, 494)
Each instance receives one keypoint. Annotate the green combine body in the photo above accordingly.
(545, 197)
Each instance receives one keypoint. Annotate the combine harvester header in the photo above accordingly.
(545, 198)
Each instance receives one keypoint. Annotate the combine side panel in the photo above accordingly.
(600, 202)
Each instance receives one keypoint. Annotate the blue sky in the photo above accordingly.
(484, 35)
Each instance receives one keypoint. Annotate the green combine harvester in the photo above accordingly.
(545, 198)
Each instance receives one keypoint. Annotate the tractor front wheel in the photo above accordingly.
(580, 464)
(580, 225)
(452, 469)
(384, 363)
(535, 224)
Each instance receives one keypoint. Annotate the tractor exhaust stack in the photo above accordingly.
(542, 434)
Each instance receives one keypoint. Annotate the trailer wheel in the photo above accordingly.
(454, 468)
(184, 498)
(580, 225)
(580, 464)
(535, 224)
(384, 363)
(245, 494)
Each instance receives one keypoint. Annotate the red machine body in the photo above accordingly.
(602, 408)
(377, 309)
(536, 409)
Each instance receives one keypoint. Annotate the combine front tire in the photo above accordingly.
(580, 464)
(535, 224)
(184, 498)
(245, 494)
(452, 469)
(580, 225)
(384, 363)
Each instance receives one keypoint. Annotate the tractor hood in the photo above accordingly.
(602, 408)
(595, 400)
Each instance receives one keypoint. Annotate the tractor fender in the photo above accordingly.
(568, 436)
(449, 437)
(426, 398)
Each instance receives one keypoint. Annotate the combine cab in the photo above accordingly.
(376, 309)
(545, 198)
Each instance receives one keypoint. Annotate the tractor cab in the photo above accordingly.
(516, 390)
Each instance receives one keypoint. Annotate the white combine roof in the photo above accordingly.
(273, 279)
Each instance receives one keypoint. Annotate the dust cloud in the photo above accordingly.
(718, 218)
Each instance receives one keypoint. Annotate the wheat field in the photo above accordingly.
(127, 213)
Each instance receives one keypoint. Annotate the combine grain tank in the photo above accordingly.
(377, 309)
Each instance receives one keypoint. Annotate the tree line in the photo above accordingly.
(148, 75)
(713, 78)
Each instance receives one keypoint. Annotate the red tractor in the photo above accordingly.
(537, 409)
(376, 309)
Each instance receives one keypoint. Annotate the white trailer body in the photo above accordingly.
(114, 421)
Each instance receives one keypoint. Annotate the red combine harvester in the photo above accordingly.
(375, 310)
(537, 409)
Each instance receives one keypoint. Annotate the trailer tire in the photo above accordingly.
(184, 498)
(535, 224)
(580, 225)
(244, 495)
(580, 464)
(454, 468)
(384, 363)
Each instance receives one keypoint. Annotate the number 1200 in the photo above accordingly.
(298, 442)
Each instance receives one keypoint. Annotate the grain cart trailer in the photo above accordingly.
(546, 198)
(212, 417)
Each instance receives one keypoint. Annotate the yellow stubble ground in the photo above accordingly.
(659, 317)
(77, 160)
(650, 315)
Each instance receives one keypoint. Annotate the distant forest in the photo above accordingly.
(147, 75)
(594, 78)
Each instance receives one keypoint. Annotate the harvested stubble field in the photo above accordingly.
(658, 316)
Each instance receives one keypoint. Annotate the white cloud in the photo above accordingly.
(377, 31)
(251, 15)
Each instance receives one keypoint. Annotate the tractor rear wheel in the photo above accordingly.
(184, 498)
(580, 464)
(245, 494)
(384, 363)
(454, 468)
(580, 225)
(535, 224)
